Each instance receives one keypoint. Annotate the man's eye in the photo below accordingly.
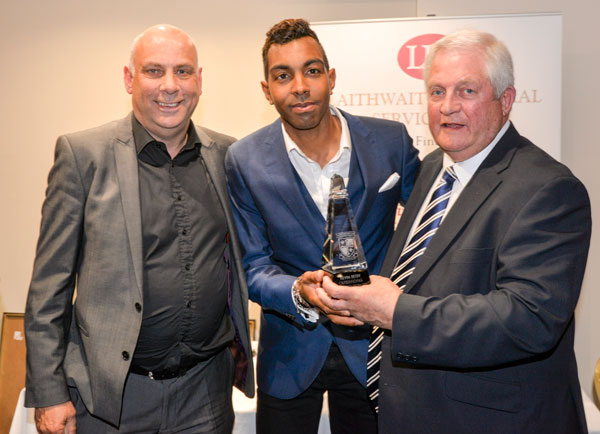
(313, 71)
(282, 76)
(437, 92)
(183, 71)
(153, 72)
(469, 91)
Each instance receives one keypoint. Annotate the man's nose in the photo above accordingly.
(300, 86)
(450, 104)
(169, 83)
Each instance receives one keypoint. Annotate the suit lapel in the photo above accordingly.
(485, 180)
(364, 179)
(471, 198)
(286, 183)
(214, 166)
(428, 171)
(127, 174)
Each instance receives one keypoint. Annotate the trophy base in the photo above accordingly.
(351, 278)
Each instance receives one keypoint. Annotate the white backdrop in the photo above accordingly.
(379, 69)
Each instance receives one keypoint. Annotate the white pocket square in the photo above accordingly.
(390, 182)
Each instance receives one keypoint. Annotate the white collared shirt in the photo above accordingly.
(464, 172)
(315, 179)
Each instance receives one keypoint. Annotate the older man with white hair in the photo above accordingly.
(137, 219)
(473, 331)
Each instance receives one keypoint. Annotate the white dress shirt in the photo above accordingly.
(315, 179)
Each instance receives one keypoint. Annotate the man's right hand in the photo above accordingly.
(308, 284)
(56, 419)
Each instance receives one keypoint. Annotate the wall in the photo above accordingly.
(62, 71)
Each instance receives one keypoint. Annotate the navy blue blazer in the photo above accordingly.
(282, 232)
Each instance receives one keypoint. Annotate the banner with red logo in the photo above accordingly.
(379, 66)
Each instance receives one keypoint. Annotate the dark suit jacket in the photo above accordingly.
(482, 339)
(282, 232)
(91, 238)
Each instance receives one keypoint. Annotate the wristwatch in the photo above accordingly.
(308, 312)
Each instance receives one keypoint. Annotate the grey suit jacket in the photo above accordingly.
(91, 240)
(482, 338)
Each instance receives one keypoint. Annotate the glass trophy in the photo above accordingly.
(343, 255)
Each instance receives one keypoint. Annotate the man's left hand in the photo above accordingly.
(308, 284)
(373, 303)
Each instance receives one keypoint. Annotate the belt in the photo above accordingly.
(164, 374)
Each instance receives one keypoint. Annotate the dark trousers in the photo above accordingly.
(350, 411)
(198, 402)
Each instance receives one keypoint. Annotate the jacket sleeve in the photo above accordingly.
(49, 302)
(268, 284)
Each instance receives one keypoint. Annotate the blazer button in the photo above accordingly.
(138, 307)
(125, 355)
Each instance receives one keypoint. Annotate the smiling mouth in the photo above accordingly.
(168, 104)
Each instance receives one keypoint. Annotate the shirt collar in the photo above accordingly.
(142, 137)
(466, 169)
(345, 140)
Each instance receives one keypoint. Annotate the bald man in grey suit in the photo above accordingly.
(137, 309)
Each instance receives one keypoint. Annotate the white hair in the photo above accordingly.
(496, 57)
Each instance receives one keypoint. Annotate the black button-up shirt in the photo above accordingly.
(184, 240)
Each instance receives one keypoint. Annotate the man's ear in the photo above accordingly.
(128, 80)
(265, 89)
(331, 80)
(507, 99)
(200, 81)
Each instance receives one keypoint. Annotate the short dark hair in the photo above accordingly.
(287, 31)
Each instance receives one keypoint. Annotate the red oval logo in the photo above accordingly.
(412, 54)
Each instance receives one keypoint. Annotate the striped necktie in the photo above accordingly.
(412, 252)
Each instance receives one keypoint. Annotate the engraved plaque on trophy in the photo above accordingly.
(343, 255)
